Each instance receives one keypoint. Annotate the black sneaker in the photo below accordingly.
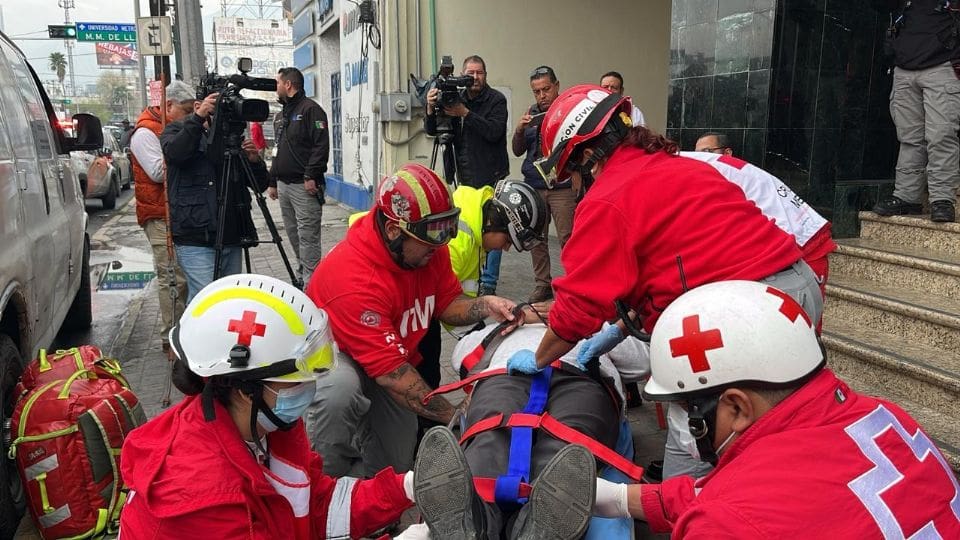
(895, 206)
(561, 503)
(942, 212)
(443, 488)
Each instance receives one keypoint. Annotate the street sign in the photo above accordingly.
(155, 36)
(95, 31)
(62, 31)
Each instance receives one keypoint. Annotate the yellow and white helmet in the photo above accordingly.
(253, 327)
(730, 332)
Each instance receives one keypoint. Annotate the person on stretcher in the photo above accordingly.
(531, 445)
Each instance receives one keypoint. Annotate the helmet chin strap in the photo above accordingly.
(702, 423)
(395, 246)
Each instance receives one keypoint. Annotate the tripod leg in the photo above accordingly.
(222, 192)
(246, 257)
(274, 233)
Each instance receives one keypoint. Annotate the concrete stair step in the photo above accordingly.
(911, 231)
(912, 315)
(911, 370)
(942, 429)
(936, 273)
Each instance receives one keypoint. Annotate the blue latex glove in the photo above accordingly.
(523, 361)
(598, 344)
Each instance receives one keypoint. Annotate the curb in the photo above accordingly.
(126, 327)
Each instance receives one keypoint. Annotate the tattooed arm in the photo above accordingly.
(466, 311)
(407, 387)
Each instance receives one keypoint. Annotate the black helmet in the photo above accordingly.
(519, 210)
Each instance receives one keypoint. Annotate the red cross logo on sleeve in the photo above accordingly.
(247, 327)
(695, 343)
(790, 308)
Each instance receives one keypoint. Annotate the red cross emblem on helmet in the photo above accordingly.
(246, 328)
(694, 343)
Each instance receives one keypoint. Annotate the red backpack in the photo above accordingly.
(67, 435)
(64, 363)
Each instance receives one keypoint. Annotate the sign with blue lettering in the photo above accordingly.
(304, 56)
(303, 26)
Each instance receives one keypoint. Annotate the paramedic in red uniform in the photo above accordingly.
(232, 459)
(801, 455)
(651, 225)
(381, 287)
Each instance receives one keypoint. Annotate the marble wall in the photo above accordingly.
(801, 88)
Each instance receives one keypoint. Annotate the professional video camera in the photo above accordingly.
(224, 141)
(233, 111)
(451, 92)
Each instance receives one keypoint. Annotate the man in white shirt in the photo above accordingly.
(149, 175)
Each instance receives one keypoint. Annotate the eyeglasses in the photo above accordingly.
(541, 71)
(714, 149)
(474, 73)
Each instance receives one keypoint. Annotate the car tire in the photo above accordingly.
(110, 199)
(80, 315)
(12, 501)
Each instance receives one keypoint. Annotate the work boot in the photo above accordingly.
(942, 212)
(443, 488)
(541, 293)
(486, 290)
(895, 206)
(561, 502)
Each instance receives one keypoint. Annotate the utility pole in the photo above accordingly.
(141, 69)
(67, 5)
(190, 33)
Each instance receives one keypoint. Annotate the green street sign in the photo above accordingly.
(117, 32)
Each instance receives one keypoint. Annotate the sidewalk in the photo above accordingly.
(138, 343)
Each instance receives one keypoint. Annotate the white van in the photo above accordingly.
(44, 251)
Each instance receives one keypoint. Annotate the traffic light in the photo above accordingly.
(62, 31)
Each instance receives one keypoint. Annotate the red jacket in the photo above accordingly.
(643, 212)
(824, 463)
(195, 479)
(379, 312)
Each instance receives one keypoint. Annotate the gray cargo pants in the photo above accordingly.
(302, 215)
(798, 281)
(356, 427)
(925, 106)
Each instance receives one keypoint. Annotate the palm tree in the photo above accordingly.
(58, 63)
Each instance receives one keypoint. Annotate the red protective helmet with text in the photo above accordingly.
(578, 115)
(421, 203)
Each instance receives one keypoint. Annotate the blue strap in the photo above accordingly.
(507, 488)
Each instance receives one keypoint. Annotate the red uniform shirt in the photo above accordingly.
(643, 211)
(824, 463)
(193, 479)
(378, 311)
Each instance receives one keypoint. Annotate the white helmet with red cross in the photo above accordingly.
(254, 327)
(729, 332)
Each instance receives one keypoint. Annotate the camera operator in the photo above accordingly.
(479, 122)
(303, 147)
(924, 40)
(193, 188)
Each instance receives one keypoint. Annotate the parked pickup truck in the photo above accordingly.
(44, 266)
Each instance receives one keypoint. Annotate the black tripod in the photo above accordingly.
(236, 168)
(442, 144)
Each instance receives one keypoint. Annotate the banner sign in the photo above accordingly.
(118, 55)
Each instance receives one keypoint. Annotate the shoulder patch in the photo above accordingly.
(320, 124)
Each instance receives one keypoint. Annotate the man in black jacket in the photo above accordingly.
(303, 146)
(479, 158)
(925, 106)
(194, 187)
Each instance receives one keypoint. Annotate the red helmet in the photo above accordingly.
(578, 115)
(421, 203)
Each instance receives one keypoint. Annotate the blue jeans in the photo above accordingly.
(491, 269)
(197, 265)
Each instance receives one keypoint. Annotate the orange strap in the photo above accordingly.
(485, 488)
